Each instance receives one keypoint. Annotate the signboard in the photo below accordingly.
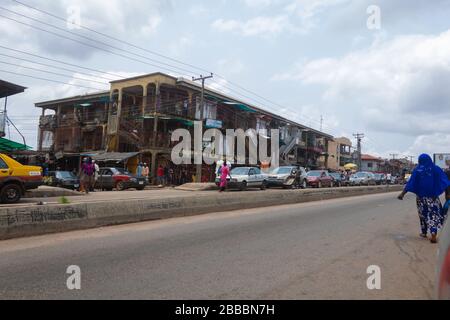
(210, 123)
(442, 160)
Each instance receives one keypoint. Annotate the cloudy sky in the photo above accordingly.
(387, 78)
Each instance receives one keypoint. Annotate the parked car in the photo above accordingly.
(362, 179)
(380, 178)
(392, 180)
(121, 179)
(319, 179)
(443, 267)
(339, 180)
(16, 179)
(288, 177)
(246, 177)
(63, 179)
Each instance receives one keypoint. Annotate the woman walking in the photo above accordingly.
(224, 172)
(428, 182)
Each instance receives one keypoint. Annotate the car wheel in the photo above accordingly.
(11, 193)
(264, 185)
(304, 184)
(120, 186)
(140, 188)
(243, 186)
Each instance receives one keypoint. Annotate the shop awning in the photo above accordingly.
(111, 156)
(9, 146)
(8, 89)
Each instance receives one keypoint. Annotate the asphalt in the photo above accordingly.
(318, 250)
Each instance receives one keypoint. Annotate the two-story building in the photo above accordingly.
(340, 153)
(139, 115)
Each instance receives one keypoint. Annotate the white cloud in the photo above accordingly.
(398, 86)
(265, 26)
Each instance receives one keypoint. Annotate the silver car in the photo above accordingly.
(362, 179)
(288, 177)
(246, 177)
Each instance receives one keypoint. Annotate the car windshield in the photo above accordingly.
(282, 170)
(335, 175)
(121, 171)
(314, 173)
(360, 175)
(65, 175)
(240, 171)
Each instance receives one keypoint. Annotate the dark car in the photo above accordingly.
(319, 179)
(339, 179)
(288, 177)
(380, 178)
(63, 179)
(120, 179)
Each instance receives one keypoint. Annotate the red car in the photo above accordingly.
(121, 179)
(319, 179)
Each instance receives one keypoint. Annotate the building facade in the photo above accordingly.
(139, 115)
(371, 164)
(340, 153)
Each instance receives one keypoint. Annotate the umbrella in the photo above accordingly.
(350, 166)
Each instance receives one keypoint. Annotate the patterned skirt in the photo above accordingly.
(431, 214)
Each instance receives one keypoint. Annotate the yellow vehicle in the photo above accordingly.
(16, 178)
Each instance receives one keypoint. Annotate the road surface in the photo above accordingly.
(318, 250)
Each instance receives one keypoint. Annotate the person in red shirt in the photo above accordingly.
(160, 175)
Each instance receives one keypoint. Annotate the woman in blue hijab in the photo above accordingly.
(428, 182)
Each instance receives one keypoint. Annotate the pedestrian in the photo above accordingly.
(96, 174)
(447, 192)
(87, 174)
(145, 171)
(428, 182)
(160, 176)
(139, 170)
(171, 177)
(224, 172)
(166, 175)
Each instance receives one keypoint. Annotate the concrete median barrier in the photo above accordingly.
(42, 219)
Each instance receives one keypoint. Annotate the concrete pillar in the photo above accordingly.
(155, 124)
(119, 115)
(153, 166)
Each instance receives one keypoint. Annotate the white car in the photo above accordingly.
(246, 177)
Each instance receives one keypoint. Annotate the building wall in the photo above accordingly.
(371, 166)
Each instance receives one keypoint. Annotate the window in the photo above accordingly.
(257, 171)
(370, 165)
(3, 164)
(209, 109)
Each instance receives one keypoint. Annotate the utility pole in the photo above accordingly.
(198, 173)
(394, 156)
(321, 123)
(359, 137)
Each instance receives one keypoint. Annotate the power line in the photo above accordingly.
(111, 37)
(54, 73)
(87, 44)
(94, 40)
(50, 66)
(62, 62)
(45, 79)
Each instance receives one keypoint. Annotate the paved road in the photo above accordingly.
(317, 250)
